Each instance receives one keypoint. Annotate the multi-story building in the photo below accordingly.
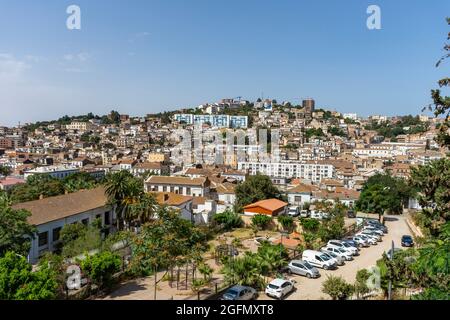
(215, 120)
(79, 126)
(197, 187)
(313, 171)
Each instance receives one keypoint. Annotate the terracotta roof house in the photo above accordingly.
(49, 215)
(271, 207)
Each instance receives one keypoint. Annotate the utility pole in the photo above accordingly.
(391, 257)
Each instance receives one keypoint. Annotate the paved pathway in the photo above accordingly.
(311, 289)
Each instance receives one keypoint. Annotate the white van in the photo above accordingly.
(318, 259)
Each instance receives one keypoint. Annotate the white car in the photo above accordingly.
(318, 259)
(340, 260)
(374, 230)
(316, 215)
(371, 234)
(347, 255)
(343, 245)
(279, 288)
(369, 240)
(294, 211)
(304, 213)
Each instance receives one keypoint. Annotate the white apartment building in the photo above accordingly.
(314, 171)
(80, 126)
(58, 172)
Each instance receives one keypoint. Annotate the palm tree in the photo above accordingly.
(142, 209)
(122, 189)
(244, 271)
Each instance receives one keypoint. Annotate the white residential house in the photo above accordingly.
(300, 194)
(197, 187)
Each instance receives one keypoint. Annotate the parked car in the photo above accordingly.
(351, 242)
(368, 239)
(340, 260)
(325, 215)
(239, 293)
(347, 255)
(303, 268)
(304, 214)
(318, 259)
(279, 288)
(351, 214)
(361, 241)
(371, 234)
(376, 224)
(374, 230)
(407, 241)
(343, 245)
(316, 215)
(294, 211)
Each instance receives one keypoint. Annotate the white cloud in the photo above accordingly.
(11, 68)
(76, 62)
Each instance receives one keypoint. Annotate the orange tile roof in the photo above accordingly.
(170, 198)
(269, 204)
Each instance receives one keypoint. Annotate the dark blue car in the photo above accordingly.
(407, 241)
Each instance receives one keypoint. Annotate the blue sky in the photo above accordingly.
(144, 56)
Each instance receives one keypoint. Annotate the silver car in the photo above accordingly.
(303, 268)
(340, 259)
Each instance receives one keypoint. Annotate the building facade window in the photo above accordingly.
(43, 239)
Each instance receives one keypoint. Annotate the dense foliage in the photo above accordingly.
(256, 188)
(15, 231)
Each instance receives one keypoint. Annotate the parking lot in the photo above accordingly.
(311, 289)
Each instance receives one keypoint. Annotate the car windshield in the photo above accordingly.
(307, 265)
(232, 293)
(407, 238)
(272, 286)
(342, 250)
(325, 258)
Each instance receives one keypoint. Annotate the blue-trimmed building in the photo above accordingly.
(217, 120)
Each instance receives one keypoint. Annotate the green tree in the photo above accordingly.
(287, 222)
(5, 171)
(122, 190)
(79, 181)
(337, 288)
(433, 181)
(245, 271)
(261, 221)
(15, 231)
(360, 286)
(37, 185)
(228, 219)
(19, 282)
(441, 104)
(382, 192)
(101, 267)
(78, 239)
(165, 242)
(256, 188)
(143, 209)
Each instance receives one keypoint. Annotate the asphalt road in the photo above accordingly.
(311, 289)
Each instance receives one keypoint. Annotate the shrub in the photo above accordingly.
(287, 222)
(261, 221)
(337, 288)
(228, 219)
(101, 267)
